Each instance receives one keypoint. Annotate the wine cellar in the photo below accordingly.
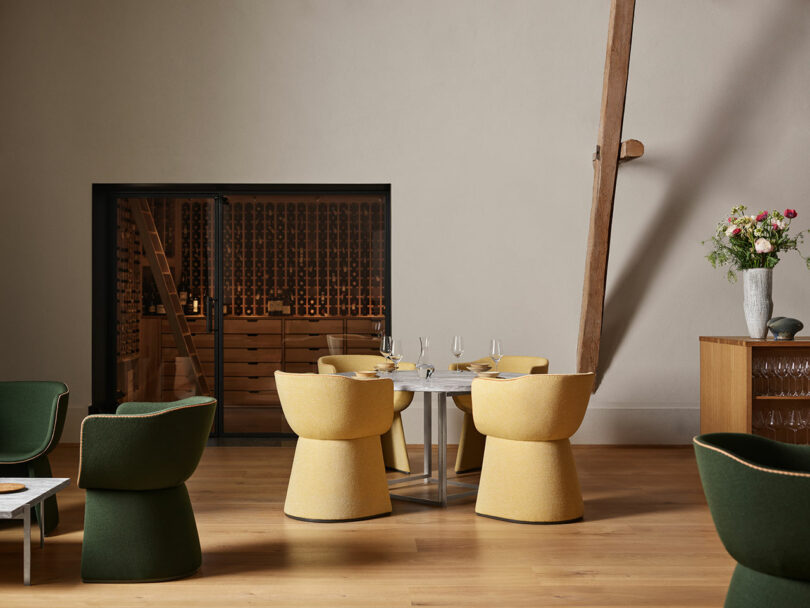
(302, 276)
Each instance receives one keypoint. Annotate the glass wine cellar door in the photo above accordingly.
(214, 293)
(164, 279)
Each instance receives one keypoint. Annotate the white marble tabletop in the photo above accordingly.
(36, 490)
(449, 382)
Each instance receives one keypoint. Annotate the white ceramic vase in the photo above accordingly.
(757, 303)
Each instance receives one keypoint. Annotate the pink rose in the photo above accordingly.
(730, 220)
(736, 231)
(790, 213)
(775, 226)
(762, 216)
(763, 246)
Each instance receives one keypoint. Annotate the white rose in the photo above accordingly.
(763, 246)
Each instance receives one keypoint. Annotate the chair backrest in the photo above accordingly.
(319, 406)
(511, 364)
(32, 416)
(537, 407)
(338, 364)
(758, 492)
(145, 446)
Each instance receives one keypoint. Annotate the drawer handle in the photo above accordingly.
(252, 335)
(252, 349)
(252, 362)
(252, 320)
(253, 377)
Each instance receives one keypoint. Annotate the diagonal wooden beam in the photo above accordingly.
(606, 164)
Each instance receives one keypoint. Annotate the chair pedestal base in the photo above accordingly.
(395, 452)
(470, 446)
(752, 589)
(529, 482)
(139, 536)
(337, 480)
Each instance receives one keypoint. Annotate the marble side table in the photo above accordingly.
(17, 505)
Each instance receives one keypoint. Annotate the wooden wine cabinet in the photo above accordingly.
(729, 395)
(303, 276)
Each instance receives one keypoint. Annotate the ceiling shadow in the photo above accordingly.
(718, 139)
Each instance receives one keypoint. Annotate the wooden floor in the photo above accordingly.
(647, 540)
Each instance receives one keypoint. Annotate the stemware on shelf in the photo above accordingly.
(758, 421)
(780, 370)
(457, 348)
(774, 423)
(794, 425)
(795, 372)
(496, 351)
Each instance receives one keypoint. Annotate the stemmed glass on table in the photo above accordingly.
(457, 350)
(385, 347)
(396, 353)
(496, 351)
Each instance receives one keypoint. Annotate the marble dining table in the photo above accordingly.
(442, 384)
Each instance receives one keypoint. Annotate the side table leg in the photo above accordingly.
(428, 435)
(27, 545)
(442, 448)
(41, 520)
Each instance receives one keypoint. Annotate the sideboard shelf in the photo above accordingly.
(728, 399)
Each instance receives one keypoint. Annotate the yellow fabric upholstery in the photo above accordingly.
(338, 472)
(470, 453)
(529, 474)
(394, 448)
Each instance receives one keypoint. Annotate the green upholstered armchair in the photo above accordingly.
(32, 416)
(138, 521)
(758, 492)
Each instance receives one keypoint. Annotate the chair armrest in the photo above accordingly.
(32, 417)
(144, 451)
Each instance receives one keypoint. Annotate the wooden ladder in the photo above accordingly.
(164, 280)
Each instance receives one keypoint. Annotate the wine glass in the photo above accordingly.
(385, 346)
(795, 371)
(774, 422)
(805, 379)
(758, 422)
(780, 369)
(496, 351)
(794, 424)
(457, 350)
(767, 374)
(396, 353)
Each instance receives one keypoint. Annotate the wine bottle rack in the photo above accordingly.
(311, 258)
(128, 285)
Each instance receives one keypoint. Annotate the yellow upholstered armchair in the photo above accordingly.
(471, 443)
(394, 448)
(338, 472)
(529, 475)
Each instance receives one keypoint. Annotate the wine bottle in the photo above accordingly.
(182, 291)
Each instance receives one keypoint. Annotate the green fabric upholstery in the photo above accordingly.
(758, 492)
(32, 416)
(139, 525)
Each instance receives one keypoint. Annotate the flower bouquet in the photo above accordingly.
(753, 241)
(751, 244)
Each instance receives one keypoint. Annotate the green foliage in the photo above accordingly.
(752, 241)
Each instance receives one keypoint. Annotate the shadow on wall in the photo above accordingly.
(718, 139)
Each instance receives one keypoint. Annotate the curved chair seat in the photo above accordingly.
(471, 443)
(338, 472)
(395, 450)
(139, 524)
(529, 474)
(758, 491)
(32, 416)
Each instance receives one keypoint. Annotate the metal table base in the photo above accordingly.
(427, 475)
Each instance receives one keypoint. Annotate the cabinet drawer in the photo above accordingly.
(301, 368)
(307, 341)
(230, 340)
(235, 355)
(196, 326)
(359, 341)
(313, 326)
(248, 368)
(305, 355)
(363, 351)
(252, 326)
(365, 326)
(249, 383)
(206, 355)
(256, 398)
(251, 419)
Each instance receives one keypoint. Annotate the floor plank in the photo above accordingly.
(647, 541)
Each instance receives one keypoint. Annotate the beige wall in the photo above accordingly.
(481, 114)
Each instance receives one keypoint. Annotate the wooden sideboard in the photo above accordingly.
(734, 391)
